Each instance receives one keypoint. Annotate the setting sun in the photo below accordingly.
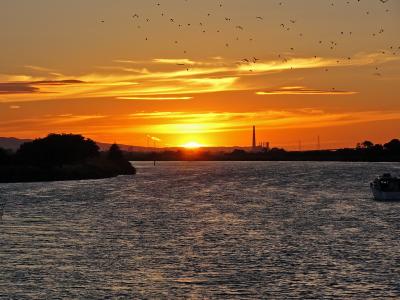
(192, 145)
(199, 149)
(113, 76)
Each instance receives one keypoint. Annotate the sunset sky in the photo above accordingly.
(201, 71)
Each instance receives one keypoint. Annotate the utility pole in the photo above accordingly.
(254, 138)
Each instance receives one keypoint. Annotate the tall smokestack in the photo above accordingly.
(254, 137)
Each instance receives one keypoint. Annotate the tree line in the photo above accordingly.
(364, 151)
(62, 157)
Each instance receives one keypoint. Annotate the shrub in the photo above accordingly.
(57, 150)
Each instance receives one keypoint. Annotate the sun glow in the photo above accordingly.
(192, 145)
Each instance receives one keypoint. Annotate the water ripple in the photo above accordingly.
(203, 230)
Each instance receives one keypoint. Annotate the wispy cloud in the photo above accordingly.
(300, 90)
(124, 69)
(17, 88)
(209, 122)
(178, 123)
(38, 68)
(54, 122)
(126, 61)
(154, 98)
(168, 78)
(181, 61)
(57, 82)
(70, 118)
(34, 87)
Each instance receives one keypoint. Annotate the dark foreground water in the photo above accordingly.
(203, 230)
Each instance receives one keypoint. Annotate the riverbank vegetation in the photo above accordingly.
(62, 157)
(365, 151)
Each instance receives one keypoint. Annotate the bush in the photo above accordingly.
(115, 153)
(62, 157)
(4, 156)
(57, 150)
(393, 146)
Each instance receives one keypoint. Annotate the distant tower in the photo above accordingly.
(254, 138)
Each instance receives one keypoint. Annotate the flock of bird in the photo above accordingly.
(140, 21)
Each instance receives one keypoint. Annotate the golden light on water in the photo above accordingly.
(203, 79)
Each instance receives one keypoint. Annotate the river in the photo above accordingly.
(198, 230)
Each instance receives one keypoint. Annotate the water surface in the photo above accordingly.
(203, 230)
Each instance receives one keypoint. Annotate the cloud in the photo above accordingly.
(38, 68)
(283, 64)
(211, 122)
(57, 82)
(300, 90)
(181, 61)
(39, 125)
(18, 88)
(286, 64)
(177, 123)
(163, 78)
(125, 61)
(33, 87)
(124, 69)
(154, 98)
(211, 84)
(70, 118)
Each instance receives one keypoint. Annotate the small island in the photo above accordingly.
(62, 157)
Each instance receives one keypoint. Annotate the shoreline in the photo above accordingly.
(65, 180)
(271, 160)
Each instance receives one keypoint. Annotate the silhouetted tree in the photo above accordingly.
(277, 150)
(115, 153)
(377, 148)
(238, 152)
(58, 149)
(121, 164)
(365, 145)
(393, 146)
(4, 156)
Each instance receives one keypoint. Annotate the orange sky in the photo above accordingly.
(195, 71)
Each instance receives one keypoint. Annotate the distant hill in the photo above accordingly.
(14, 144)
(129, 148)
(11, 143)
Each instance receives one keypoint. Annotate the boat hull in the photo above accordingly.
(385, 196)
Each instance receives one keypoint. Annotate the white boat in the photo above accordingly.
(386, 188)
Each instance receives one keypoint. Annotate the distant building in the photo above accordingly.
(262, 146)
